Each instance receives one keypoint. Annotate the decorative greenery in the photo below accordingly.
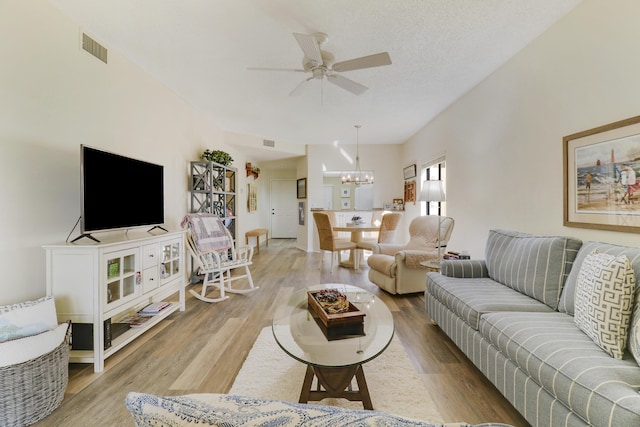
(217, 156)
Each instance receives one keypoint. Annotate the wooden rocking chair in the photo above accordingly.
(211, 246)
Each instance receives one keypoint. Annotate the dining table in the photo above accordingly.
(356, 231)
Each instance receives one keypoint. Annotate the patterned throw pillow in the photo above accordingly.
(604, 300)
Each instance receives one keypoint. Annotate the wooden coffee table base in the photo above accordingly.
(336, 382)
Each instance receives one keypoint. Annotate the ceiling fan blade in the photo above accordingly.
(375, 60)
(298, 90)
(297, 70)
(309, 45)
(347, 84)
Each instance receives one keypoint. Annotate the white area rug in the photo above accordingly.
(394, 385)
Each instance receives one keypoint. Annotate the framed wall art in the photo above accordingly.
(300, 213)
(252, 201)
(345, 191)
(301, 189)
(410, 192)
(410, 171)
(600, 177)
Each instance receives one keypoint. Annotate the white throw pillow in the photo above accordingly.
(27, 318)
(24, 349)
(604, 300)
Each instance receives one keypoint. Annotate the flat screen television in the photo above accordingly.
(119, 192)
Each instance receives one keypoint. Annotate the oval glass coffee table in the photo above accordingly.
(333, 362)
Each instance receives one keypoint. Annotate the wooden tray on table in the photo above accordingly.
(337, 326)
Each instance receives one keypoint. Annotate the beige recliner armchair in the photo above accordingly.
(396, 268)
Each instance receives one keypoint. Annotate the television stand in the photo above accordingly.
(157, 226)
(87, 235)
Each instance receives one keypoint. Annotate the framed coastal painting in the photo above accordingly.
(601, 177)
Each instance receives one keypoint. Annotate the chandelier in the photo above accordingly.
(357, 177)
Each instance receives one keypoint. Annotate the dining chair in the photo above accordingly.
(328, 240)
(386, 234)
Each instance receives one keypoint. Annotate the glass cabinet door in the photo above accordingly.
(122, 277)
(171, 257)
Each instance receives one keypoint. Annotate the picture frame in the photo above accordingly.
(345, 204)
(601, 186)
(301, 213)
(301, 188)
(398, 204)
(252, 197)
(409, 192)
(345, 191)
(409, 172)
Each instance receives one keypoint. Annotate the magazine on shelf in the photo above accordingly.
(155, 308)
(135, 320)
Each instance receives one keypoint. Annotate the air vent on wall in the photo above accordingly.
(268, 143)
(94, 48)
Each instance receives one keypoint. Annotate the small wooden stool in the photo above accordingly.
(257, 233)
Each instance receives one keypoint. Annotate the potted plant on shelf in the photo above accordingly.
(252, 170)
(217, 156)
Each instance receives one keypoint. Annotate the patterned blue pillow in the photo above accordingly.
(228, 410)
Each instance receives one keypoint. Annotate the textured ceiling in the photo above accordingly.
(201, 49)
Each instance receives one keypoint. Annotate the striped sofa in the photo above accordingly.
(512, 314)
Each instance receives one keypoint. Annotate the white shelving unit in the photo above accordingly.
(213, 190)
(94, 283)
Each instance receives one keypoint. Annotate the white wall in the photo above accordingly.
(54, 97)
(503, 140)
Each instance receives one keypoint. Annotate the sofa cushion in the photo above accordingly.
(27, 318)
(228, 410)
(634, 334)
(534, 265)
(560, 358)
(471, 298)
(567, 299)
(604, 299)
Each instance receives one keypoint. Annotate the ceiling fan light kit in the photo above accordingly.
(320, 64)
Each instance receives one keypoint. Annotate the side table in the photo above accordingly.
(431, 265)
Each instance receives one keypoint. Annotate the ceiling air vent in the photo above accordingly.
(268, 143)
(94, 48)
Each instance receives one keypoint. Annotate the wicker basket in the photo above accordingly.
(31, 390)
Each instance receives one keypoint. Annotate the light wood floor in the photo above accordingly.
(202, 349)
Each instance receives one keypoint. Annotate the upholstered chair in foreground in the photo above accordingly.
(396, 268)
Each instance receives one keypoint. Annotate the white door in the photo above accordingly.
(284, 209)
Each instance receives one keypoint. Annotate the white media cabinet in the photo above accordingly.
(94, 283)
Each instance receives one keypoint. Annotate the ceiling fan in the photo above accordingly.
(320, 64)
